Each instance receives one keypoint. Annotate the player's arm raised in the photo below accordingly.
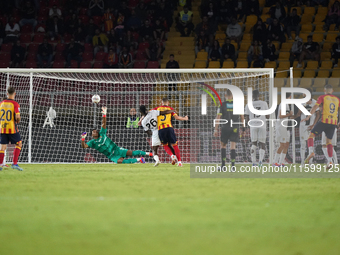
(166, 112)
(104, 111)
(180, 118)
(83, 144)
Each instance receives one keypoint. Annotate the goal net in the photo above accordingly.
(56, 108)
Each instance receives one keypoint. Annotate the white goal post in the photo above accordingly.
(56, 108)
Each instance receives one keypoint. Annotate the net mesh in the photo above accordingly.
(62, 109)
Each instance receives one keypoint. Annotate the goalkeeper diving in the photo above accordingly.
(104, 145)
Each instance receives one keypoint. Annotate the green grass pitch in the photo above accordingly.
(139, 209)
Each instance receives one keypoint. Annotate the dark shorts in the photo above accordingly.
(13, 138)
(324, 127)
(229, 134)
(167, 136)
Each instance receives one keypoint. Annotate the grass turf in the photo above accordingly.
(139, 209)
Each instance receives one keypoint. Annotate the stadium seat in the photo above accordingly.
(296, 73)
(141, 55)
(319, 20)
(200, 64)
(98, 64)
(4, 64)
(279, 83)
(309, 73)
(304, 36)
(38, 38)
(88, 47)
(284, 55)
(31, 57)
(325, 56)
(25, 38)
(318, 38)
(33, 48)
(296, 82)
(214, 64)
(319, 28)
(295, 63)
(323, 74)
(74, 64)
(244, 46)
(311, 64)
(319, 82)
(281, 73)
(248, 28)
(306, 82)
(242, 64)
(59, 56)
(307, 28)
(228, 64)
(309, 11)
(334, 82)
(220, 36)
(31, 64)
(242, 55)
(322, 11)
(306, 19)
(271, 64)
(26, 29)
(139, 64)
(331, 37)
(5, 56)
(251, 19)
(60, 47)
(87, 56)
(326, 64)
(264, 17)
(335, 74)
(247, 38)
(59, 64)
(143, 46)
(327, 46)
(153, 64)
(284, 64)
(100, 56)
(286, 46)
(86, 64)
(6, 47)
(202, 55)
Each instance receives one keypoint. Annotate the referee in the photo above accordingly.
(228, 132)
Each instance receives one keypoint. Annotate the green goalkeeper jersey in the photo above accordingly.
(103, 144)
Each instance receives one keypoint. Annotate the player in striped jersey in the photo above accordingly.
(328, 123)
(9, 120)
(166, 132)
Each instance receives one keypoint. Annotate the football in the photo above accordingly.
(96, 99)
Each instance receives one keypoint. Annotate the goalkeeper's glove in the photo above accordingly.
(104, 110)
(83, 136)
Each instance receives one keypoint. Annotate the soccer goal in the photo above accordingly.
(56, 108)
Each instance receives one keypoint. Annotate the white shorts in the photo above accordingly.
(304, 132)
(155, 138)
(334, 139)
(258, 134)
(282, 134)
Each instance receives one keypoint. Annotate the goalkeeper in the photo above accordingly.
(103, 144)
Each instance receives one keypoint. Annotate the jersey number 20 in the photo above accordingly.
(8, 115)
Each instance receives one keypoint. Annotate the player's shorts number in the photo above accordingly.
(332, 108)
(8, 114)
(153, 123)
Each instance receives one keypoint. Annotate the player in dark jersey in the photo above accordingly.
(9, 120)
(228, 132)
(104, 145)
(328, 122)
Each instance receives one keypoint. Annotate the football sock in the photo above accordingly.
(303, 152)
(232, 157)
(261, 154)
(16, 154)
(156, 158)
(335, 156)
(325, 152)
(223, 155)
(168, 150)
(310, 150)
(277, 157)
(138, 153)
(2, 155)
(253, 153)
(130, 160)
(330, 150)
(282, 158)
(177, 152)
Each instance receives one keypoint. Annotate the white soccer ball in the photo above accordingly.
(96, 99)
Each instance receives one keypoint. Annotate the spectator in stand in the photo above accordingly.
(260, 32)
(28, 14)
(55, 12)
(45, 53)
(336, 51)
(162, 11)
(79, 35)
(269, 51)
(119, 30)
(12, 31)
(154, 51)
(310, 50)
(172, 64)
(146, 31)
(226, 8)
(111, 59)
(277, 12)
(255, 53)
(293, 24)
(253, 7)
(96, 8)
(74, 51)
(212, 13)
(133, 23)
(56, 28)
(240, 9)
(159, 31)
(234, 31)
(228, 50)
(295, 51)
(2, 33)
(215, 53)
(124, 9)
(17, 54)
(201, 42)
(113, 40)
(184, 22)
(90, 31)
(208, 28)
(276, 32)
(125, 59)
(333, 16)
(71, 24)
(142, 10)
(100, 41)
(108, 19)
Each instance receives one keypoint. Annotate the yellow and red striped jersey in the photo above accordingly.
(330, 107)
(9, 110)
(164, 121)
